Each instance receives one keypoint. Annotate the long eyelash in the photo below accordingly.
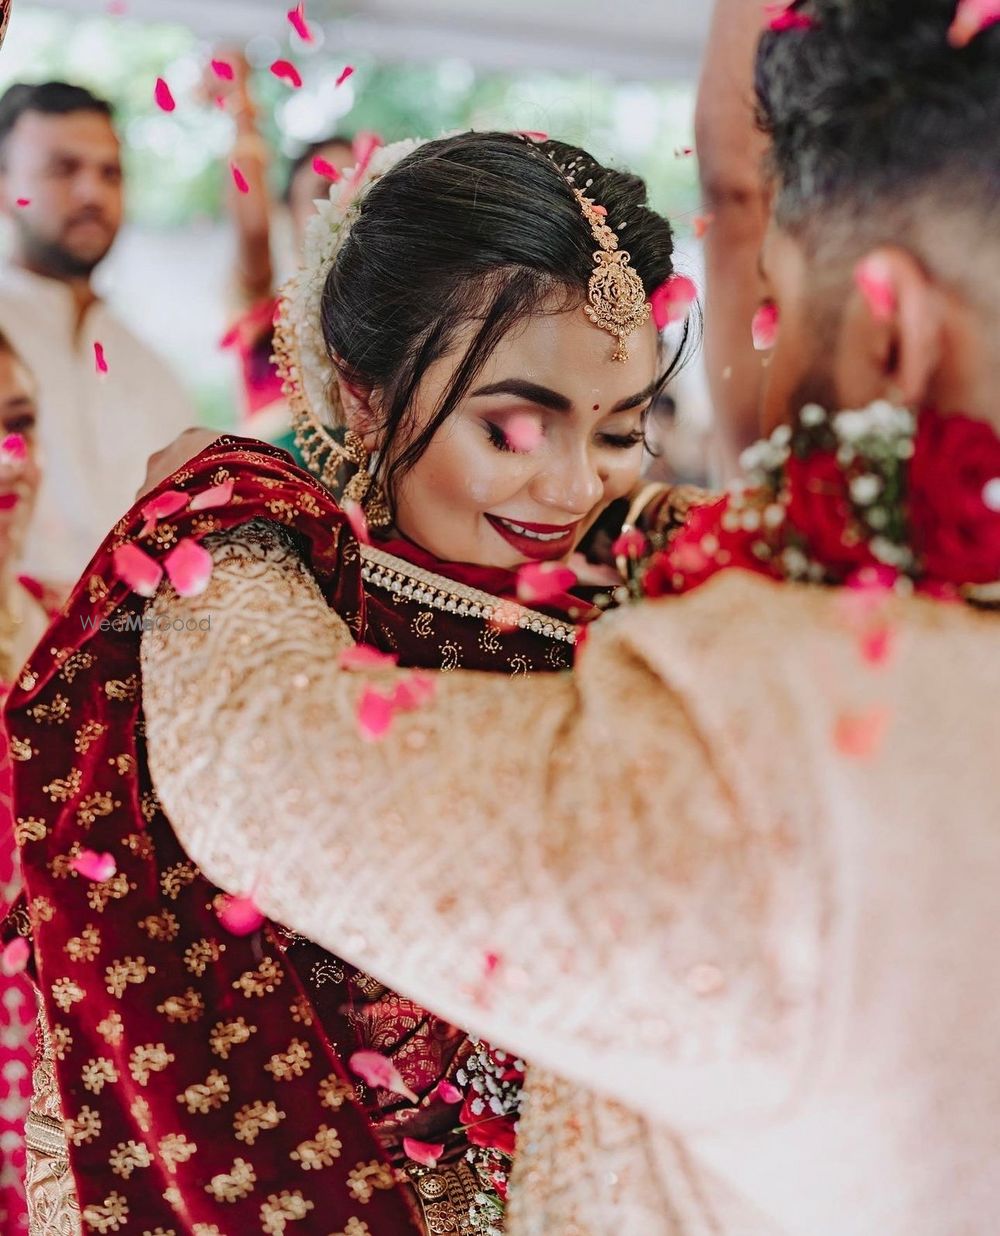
(497, 437)
(624, 441)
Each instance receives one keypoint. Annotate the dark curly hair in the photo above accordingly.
(480, 227)
(881, 130)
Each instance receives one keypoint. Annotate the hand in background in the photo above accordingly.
(190, 443)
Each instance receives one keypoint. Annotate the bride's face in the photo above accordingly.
(549, 434)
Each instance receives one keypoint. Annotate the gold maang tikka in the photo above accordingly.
(616, 296)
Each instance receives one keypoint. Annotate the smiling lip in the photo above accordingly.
(8, 501)
(548, 542)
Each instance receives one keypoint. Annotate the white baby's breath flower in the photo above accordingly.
(812, 415)
(865, 489)
(991, 494)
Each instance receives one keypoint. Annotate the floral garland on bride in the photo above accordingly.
(874, 496)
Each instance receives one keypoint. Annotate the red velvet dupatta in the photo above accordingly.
(201, 1093)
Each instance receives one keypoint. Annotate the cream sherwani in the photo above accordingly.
(766, 968)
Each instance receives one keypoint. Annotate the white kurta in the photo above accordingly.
(96, 431)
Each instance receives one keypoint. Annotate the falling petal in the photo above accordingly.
(683, 152)
(782, 17)
(96, 867)
(14, 957)
(239, 180)
(24, 201)
(672, 300)
(216, 496)
(378, 1071)
(165, 505)
(523, 432)
(375, 713)
(878, 644)
(631, 544)
(137, 569)
(324, 168)
(531, 135)
(365, 145)
(874, 282)
(285, 71)
(860, 735)
(345, 73)
(230, 338)
(189, 567)
(223, 70)
(220, 102)
(13, 448)
(164, 98)
(413, 693)
(971, 18)
(364, 656)
(701, 225)
(446, 1092)
(297, 17)
(100, 360)
(239, 915)
(424, 1153)
(538, 582)
(359, 524)
(764, 327)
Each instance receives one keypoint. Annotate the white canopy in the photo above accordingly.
(635, 39)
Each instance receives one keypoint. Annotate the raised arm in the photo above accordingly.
(554, 862)
(730, 155)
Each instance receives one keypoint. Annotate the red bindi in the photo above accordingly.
(597, 407)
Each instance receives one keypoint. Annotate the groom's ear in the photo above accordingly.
(359, 410)
(894, 328)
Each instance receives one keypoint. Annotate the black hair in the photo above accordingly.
(873, 114)
(49, 99)
(481, 226)
(306, 156)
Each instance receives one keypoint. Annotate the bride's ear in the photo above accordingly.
(359, 412)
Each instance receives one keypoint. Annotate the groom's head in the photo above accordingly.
(883, 257)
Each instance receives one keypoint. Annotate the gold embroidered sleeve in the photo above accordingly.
(554, 862)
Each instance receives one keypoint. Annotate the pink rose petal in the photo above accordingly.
(297, 17)
(189, 567)
(413, 692)
(167, 504)
(375, 713)
(859, 735)
(92, 866)
(14, 957)
(239, 915)
(782, 17)
(683, 152)
(365, 145)
(359, 524)
(523, 432)
(100, 360)
(878, 645)
(324, 168)
(239, 180)
(531, 135)
(446, 1092)
(764, 327)
(14, 448)
(631, 544)
(701, 224)
(971, 18)
(223, 70)
(672, 300)
(24, 201)
(164, 98)
(364, 656)
(345, 73)
(216, 496)
(137, 569)
(874, 282)
(379, 1071)
(285, 71)
(230, 338)
(538, 582)
(424, 1153)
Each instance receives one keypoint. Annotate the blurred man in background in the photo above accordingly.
(107, 400)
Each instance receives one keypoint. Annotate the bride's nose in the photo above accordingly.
(572, 483)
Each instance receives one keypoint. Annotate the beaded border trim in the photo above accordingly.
(386, 571)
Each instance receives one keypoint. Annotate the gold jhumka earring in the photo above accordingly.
(616, 295)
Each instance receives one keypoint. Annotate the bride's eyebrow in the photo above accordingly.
(634, 401)
(529, 391)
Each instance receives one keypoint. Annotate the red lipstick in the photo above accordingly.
(536, 542)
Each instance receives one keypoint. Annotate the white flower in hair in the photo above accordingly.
(310, 368)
